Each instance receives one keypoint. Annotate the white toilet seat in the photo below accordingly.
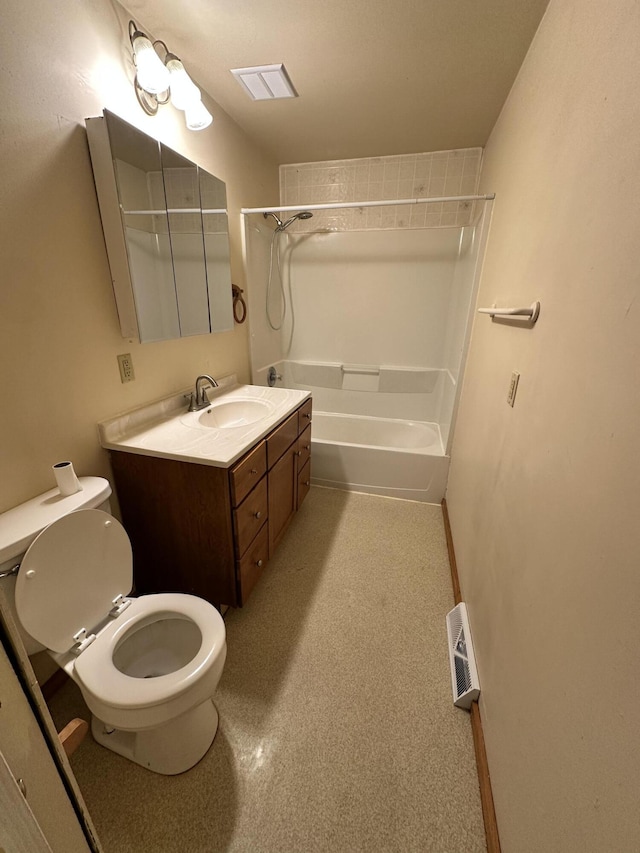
(70, 576)
(97, 673)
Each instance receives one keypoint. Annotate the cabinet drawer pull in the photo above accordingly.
(258, 514)
(308, 415)
(298, 453)
(307, 447)
(259, 563)
(307, 482)
(253, 471)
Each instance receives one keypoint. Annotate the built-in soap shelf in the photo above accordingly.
(377, 378)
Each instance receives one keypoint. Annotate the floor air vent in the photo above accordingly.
(464, 675)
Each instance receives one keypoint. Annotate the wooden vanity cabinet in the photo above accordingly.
(210, 531)
(179, 519)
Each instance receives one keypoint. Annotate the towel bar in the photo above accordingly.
(532, 312)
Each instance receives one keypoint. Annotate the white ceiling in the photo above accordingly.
(375, 77)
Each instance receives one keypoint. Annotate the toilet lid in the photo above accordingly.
(70, 575)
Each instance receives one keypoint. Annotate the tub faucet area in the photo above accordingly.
(199, 399)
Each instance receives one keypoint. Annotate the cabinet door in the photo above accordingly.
(179, 519)
(282, 496)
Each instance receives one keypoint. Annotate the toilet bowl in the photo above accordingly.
(147, 667)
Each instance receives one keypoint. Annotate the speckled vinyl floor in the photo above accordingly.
(337, 728)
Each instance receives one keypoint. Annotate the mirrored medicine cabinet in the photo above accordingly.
(165, 226)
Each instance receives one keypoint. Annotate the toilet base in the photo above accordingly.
(169, 749)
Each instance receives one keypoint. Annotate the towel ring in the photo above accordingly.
(239, 305)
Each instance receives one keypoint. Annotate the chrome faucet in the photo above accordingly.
(198, 398)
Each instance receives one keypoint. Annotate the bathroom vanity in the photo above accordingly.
(204, 520)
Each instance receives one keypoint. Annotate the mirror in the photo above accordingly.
(213, 196)
(184, 212)
(165, 227)
(138, 171)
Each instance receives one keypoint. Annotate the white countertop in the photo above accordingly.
(165, 429)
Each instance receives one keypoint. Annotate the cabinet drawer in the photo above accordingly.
(304, 483)
(281, 438)
(304, 448)
(249, 517)
(251, 566)
(246, 473)
(304, 416)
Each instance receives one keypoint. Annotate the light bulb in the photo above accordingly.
(151, 72)
(197, 116)
(184, 91)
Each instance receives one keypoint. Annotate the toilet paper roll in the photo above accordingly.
(66, 478)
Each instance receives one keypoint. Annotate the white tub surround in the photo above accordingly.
(376, 428)
(411, 393)
(384, 378)
(378, 309)
(165, 429)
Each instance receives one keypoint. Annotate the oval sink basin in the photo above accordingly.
(235, 413)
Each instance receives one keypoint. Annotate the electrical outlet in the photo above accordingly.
(513, 387)
(125, 363)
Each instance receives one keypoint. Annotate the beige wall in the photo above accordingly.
(59, 338)
(544, 497)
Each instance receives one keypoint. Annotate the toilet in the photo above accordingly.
(147, 667)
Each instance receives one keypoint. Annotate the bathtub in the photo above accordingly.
(380, 456)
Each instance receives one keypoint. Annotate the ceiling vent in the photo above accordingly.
(265, 82)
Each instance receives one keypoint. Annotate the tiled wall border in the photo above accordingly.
(434, 174)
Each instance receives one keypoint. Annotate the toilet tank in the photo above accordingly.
(20, 526)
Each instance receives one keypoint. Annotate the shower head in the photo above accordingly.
(304, 214)
(280, 225)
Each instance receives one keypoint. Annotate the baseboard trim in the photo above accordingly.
(484, 780)
(457, 596)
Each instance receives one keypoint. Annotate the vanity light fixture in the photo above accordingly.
(160, 80)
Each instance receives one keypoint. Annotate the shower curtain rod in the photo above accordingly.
(341, 205)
